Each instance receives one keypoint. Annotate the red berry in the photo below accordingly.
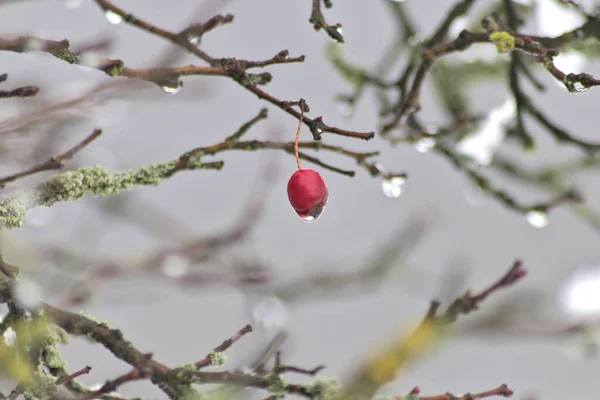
(307, 194)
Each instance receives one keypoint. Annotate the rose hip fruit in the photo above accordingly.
(307, 194)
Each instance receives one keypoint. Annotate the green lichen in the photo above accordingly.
(59, 335)
(217, 358)
(115, 69)
(277, 384)
(183, 376)
(93, 319)
(98, 181)
(194, 162)
(44, 386)
(12, 212)
(64, 53)
(73, 185)
(504, 41)
(325, 388)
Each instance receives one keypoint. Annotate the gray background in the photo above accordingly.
(180, 326)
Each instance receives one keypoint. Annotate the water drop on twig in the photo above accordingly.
(172, 89)
(113, 17)
(392, 187)
(537, 218)
(579, 296)
(424, 145)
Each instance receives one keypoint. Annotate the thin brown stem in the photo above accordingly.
(52, 163)
(500, 391)
(301, 105)
(318, 21)
(236, 71)
(83, 371)
(208, 360)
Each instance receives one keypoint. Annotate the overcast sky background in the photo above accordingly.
(181, 326)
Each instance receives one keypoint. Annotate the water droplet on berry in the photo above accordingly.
(392, 187)
(113, 17)
(314, 214)
(424, 145)
(537, 218)
(307, 194)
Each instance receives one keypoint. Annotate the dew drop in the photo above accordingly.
(194, 39)
(346, 109)
(113, 17)
(578, 87)
(392, 187)
(313, 215)
(424, 145)
(72, 4)
(172, 89)
(174, 266)
(579, 295)
(414, 40)
(338, 29)
(537, 218)
(269, 312)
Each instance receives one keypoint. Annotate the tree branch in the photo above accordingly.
(54, 162)
(316, 125)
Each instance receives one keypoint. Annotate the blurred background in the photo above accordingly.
(440, 237)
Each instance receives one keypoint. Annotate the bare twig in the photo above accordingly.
(208, 360)
(500, 391)
(83, 371)
(137, 373)
(232, 143)
(281, 369)
(52, 163)
(318, 21)
(382, 366)
(236, 71)
(23, 92)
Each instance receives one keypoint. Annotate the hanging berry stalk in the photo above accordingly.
(306, 189)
